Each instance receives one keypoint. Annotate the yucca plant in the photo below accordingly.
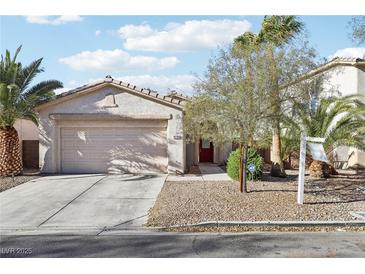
(341, 121)
(17, 100)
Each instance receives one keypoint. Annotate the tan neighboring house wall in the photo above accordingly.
(26, 129)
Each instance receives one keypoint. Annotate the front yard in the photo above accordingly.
(271, 199)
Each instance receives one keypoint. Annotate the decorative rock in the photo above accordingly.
(318, 169)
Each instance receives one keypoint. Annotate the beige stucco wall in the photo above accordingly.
(221, 153)
(352, 156)
(93, 103)
(342, 79)
(361, 82)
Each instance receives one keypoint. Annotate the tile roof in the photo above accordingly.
(110, 80)
(180, 96)
(336, 61)
(347, 59)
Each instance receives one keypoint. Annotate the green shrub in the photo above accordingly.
(233, 164)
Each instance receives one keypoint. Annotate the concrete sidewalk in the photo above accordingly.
(209, 172)
(212, 172)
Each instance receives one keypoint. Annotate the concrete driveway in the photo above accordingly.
(80, 202)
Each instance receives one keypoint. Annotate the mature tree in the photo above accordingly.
(358, 29)
(341, 121)
(232, 101)
(286, 60)
(17, 100)
(276, 31)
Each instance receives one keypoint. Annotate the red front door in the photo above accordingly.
(206, 151)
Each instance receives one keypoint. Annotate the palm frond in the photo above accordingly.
(42, 91)
(341, 121)
(17, 99)
(28, 73)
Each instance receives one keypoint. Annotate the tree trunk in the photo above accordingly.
(319, 169)
(242, 170)
(277, 166)
(10, 154)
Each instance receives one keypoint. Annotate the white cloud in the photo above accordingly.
(97, 32)
(53, 20)
(162, 83)
(349, 52)
(135, 31)
(190, 35)
(116, 60)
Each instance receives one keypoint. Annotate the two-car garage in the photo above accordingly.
(130, 147)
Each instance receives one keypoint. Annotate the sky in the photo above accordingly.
(158, 52)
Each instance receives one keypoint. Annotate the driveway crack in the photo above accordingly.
(66, 205)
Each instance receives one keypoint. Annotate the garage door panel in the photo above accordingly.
(114, 149)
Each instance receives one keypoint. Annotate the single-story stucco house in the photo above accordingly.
(110, 127)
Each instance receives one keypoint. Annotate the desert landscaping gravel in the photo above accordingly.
(9, 182)
(262, 228)
(271, 199)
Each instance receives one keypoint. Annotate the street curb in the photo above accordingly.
(267, 223)
(69, 231)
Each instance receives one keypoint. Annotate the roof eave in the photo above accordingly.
(359, 63)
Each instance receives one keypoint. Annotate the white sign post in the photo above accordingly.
(318, 155)
(303, 143)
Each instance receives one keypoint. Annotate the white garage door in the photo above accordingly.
(132, 149)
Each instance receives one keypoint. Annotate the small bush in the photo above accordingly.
(233, 164)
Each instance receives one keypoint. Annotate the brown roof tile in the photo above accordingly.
(111, 80)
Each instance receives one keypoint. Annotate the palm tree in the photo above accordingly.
(275, 32)
(341, 121)
(17, 100)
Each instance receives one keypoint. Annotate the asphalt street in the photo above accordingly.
(163, 245)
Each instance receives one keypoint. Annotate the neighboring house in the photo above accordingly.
(28, 138)
(343, 76)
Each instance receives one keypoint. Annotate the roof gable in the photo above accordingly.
(109, 81)
(337, 61)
